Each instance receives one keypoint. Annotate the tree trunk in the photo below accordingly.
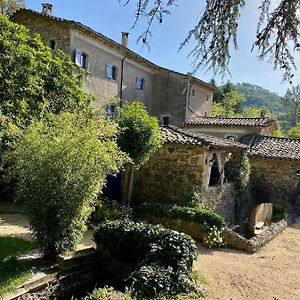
(127, 184)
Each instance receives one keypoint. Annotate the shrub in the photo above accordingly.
(107, 293)
(209, 222)
(61, 164)
(162, 257)
(109, 210)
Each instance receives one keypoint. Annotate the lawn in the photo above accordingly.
(12, 271)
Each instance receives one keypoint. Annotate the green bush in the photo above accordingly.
(209, 222)
(204, 217)
(162, 258)
(109, 210)
(61, 164)
(107, 293)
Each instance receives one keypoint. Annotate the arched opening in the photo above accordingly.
(214, 173)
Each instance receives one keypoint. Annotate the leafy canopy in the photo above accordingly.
(139, 132)
(7, 7)
(33, 79)
(216, 32)
(61, 164)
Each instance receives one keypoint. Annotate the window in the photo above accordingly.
(80, 59)
(193, 92)
(165, 121)
(110, 72)
(298, 172)
(139, 83)
(52, 44)
(207, 98)
(110, 110)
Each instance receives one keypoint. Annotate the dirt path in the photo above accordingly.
(273, 273)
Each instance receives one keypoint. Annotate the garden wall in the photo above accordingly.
(164, 176)
(252, 245)
(276, 181)
(221, 199)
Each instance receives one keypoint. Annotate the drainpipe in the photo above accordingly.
(121, 83)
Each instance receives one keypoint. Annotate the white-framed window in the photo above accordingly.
(111, 71)
(139, 83)
(81, 59)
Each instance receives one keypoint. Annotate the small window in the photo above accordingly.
(165, 121)
(139, 83)
(193, 92)
(207, 98)
(52, 44)
(110, 72)
(110, 110)
(80, 59)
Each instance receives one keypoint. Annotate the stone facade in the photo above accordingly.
(221, 199)
(165, 92)
(166, 174)
(276, 181)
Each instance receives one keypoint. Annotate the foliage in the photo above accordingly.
(14, 272)
(61, 164)
(163, 258)
(216, 31)
(238, 171)
(7, 7)
(140, 135)
(107, 209)
(107, 293)
(294, 132)
(291, 108)
(189, 198)
(204, 217)
(34, 80)
(230, 106)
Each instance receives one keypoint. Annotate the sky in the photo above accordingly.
(110, 18)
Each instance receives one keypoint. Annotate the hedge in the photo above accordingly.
(204, 217)
(162, 258)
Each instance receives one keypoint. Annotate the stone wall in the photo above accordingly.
(221, 199)
(168, 171)
(275, 181)
(252, 245)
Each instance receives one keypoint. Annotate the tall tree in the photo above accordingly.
(277, 36)
(291, 104)
(7, 7)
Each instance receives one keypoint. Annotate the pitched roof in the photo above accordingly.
(131, 54)
(172, 134)
(220, 121)
(273, 147)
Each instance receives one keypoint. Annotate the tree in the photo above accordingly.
(7, 7)
(230, 106)
(291, 104)
(139, 137)
(34, 80)
(294, 132)
(277, 31)
(62, 163)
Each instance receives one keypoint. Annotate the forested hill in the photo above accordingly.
(259, 97)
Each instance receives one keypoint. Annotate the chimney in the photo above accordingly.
(125, 39)
(47, 9)
(263, 113)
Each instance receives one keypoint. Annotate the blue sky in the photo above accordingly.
(109, 18)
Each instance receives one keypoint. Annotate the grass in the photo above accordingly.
(14, 272)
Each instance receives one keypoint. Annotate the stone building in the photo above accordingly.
(188, 161)
(232, 128)
(275, 169)
(113, 71)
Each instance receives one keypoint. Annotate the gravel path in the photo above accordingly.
(273, 273)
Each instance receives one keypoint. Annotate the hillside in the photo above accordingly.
(258, 97)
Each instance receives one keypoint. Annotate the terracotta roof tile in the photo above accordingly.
(220, 121)
(173, 134)
(273, 147)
